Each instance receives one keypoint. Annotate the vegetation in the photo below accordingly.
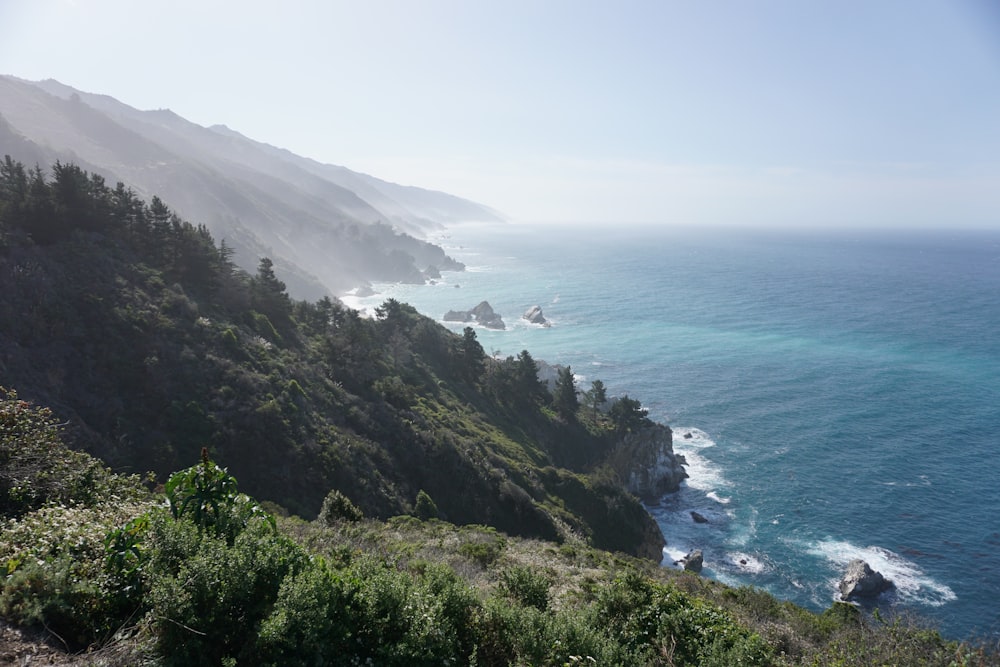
(209, 578)
(484, 493)
(147, 341)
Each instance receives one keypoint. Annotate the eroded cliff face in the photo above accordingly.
(646, 463)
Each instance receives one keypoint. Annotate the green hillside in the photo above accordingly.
(136, 329)
(411, 501)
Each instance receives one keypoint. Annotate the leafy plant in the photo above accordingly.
(209, 497)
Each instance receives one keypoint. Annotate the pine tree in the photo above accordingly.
(564, 399)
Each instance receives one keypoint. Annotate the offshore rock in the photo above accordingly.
(646, 463)
(698, 517)
(535, 316)
(862, 582)
(693, 562)
(483, 315)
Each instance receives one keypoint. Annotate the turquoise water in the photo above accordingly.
(841, 390)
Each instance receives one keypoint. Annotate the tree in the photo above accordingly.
(269, 295)
(472, 354)
(526, 375)
(425, 508)
(627, 414)
(597, 395)
(564, 399)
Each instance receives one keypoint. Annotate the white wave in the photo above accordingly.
(747, 562)
(703, 475)
(717, 498)
(912, 584)
(698, 438)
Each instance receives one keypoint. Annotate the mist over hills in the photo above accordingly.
(327, 228)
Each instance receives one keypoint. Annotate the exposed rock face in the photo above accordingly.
(535, 316)
(693, 562)
(862, 582)
(698, 517)
(483, 315)
(653, 541)
(646, 463)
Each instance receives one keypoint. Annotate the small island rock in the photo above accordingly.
(534, 315)
(862, 582)
(483, 315)
(698, 518)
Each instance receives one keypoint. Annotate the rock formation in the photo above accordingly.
(693, 562)
(862, 582)
(483, 315)
(698, 517)
(646, 463)
(535, 316)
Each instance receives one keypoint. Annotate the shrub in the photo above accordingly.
(526, 586)
(425, 508)
(337, 507)
(208, 496)
(208, 598)
(312, 620)
(36, 467)
(53, 559)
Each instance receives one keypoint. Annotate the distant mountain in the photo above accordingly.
(326, 227)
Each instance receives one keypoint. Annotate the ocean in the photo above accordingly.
(836, 393)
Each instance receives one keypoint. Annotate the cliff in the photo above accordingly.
(646, 463)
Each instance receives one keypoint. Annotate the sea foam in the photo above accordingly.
(912, 584)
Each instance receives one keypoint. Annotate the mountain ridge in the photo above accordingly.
(328, 229)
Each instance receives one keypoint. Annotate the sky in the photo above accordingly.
(765, 112)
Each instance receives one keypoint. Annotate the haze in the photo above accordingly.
(774, 112)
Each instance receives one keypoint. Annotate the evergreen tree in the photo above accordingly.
(269, 296)
(597, 396)
(564, 400)
(526, 376)
(627, 414)
(473, 355)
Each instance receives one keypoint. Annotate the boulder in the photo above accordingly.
(483, 315)
(534, 315)
(698, 518)
(862, 582)
(693, 562)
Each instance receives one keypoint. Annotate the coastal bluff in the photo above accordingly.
(646, 463)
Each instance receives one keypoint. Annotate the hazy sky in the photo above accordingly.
(867, 112)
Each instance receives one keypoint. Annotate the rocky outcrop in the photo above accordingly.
(698, 517)
(693, 562)
(483, 315)
(535, 316)
(646, 463)
(862, 582)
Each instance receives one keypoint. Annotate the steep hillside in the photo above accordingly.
(139, 331)
(99, 571)
(326, 228)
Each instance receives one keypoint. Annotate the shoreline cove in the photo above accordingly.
(791, 359)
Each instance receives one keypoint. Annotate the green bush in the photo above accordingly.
(36, 467)
(208, 598)
(338, 507)
(425, 508)
(526, 586)
(209, 497)
(312, 622)
(53, 559)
